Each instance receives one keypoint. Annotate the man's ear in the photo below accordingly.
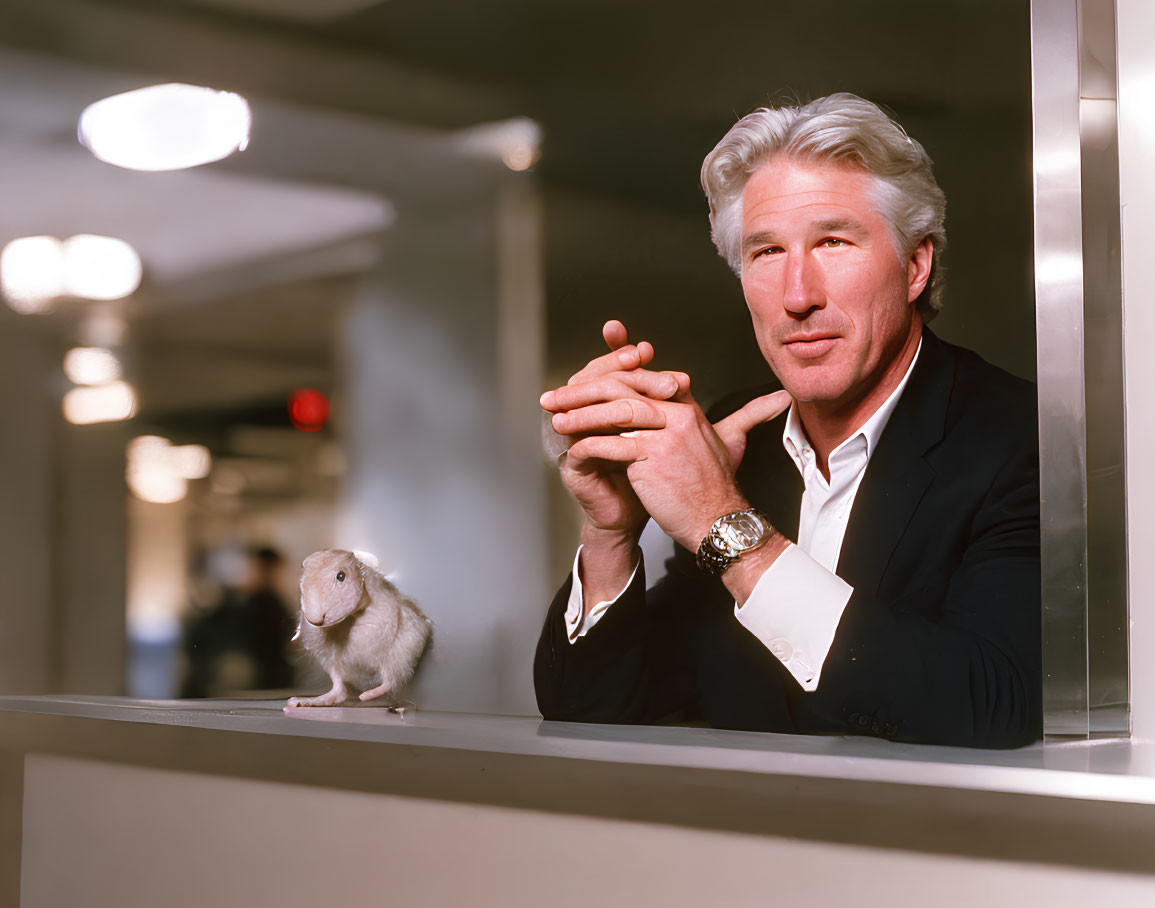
(918, 268)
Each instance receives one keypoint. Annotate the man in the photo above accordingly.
(857, 552)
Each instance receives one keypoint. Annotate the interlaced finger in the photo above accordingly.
(636, 384)
(629, 356)
(614, 448)
(615, 334)
(612, 416)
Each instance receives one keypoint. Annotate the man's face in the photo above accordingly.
(832, 304)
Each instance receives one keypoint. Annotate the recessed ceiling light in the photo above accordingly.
(166, 127)
(159, 471)
(32, 273)
(519, 155)
(100, 267)
(517, 142)
(107, 403)
(91, 366)
(36, 270)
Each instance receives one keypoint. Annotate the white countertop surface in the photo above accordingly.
(1112, 770)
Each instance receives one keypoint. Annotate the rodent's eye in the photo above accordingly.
(340, 576)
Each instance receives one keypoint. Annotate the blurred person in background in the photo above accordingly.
(242, 642)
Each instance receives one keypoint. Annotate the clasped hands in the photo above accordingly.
(644, 447)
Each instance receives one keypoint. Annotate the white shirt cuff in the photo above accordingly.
(794, 611)
(575, 628)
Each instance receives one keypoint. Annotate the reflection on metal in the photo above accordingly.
(1107, 688)
(1059, 313)
(1077, 281)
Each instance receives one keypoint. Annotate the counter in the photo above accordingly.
(95, 769)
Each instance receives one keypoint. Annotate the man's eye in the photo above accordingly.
(769, 250)
(833, 242)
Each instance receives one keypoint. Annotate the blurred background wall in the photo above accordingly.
(438, 207)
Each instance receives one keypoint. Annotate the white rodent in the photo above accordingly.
(364, 633)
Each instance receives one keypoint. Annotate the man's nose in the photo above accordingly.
(803, 290)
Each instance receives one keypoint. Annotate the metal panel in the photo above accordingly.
(1078, 311)
(1135, 65)
(1059, 314)
(1107, 688)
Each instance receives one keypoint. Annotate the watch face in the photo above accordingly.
(742, 532)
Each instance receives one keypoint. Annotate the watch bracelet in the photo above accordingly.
(713, 561)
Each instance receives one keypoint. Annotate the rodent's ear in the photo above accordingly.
(314, 559)
(368, 559)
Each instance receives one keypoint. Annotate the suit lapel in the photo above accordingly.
(770, 479)
(898, 475)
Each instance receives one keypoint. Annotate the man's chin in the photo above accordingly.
(811, 386)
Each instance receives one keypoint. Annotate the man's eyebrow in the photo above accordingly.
(836, 225)
(762, 238)
(828, 225)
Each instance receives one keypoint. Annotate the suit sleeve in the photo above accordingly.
(631, 666)
(958, 661)
(602, 677)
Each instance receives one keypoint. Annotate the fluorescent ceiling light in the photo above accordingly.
(519, 155)
(35, 270)
(517, 141)
(107, 403)
(32, 273)
(159, 471)
(100, 267)
(191, 461)
(91, 366)
(166, 127)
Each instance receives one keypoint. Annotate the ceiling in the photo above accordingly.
(631, 95)
(359, 109)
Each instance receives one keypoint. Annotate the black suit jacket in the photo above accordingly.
(940, 642)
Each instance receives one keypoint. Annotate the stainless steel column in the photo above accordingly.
(1078, 304)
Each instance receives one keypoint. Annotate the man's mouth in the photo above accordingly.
(810, 346)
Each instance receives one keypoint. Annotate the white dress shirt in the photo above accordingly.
(796, 605)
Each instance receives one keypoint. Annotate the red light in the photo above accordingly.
(308, 410)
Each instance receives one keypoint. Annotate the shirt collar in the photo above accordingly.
(794, 438)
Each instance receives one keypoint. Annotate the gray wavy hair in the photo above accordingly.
(841, 128)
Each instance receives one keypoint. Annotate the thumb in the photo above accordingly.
(734, 428)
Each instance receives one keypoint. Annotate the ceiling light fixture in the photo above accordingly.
(166, 127)
(32, 273)
(158, 471)
(517, 142)
(107, 403)
(100, 267)
(37, 270)
(91, 366)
